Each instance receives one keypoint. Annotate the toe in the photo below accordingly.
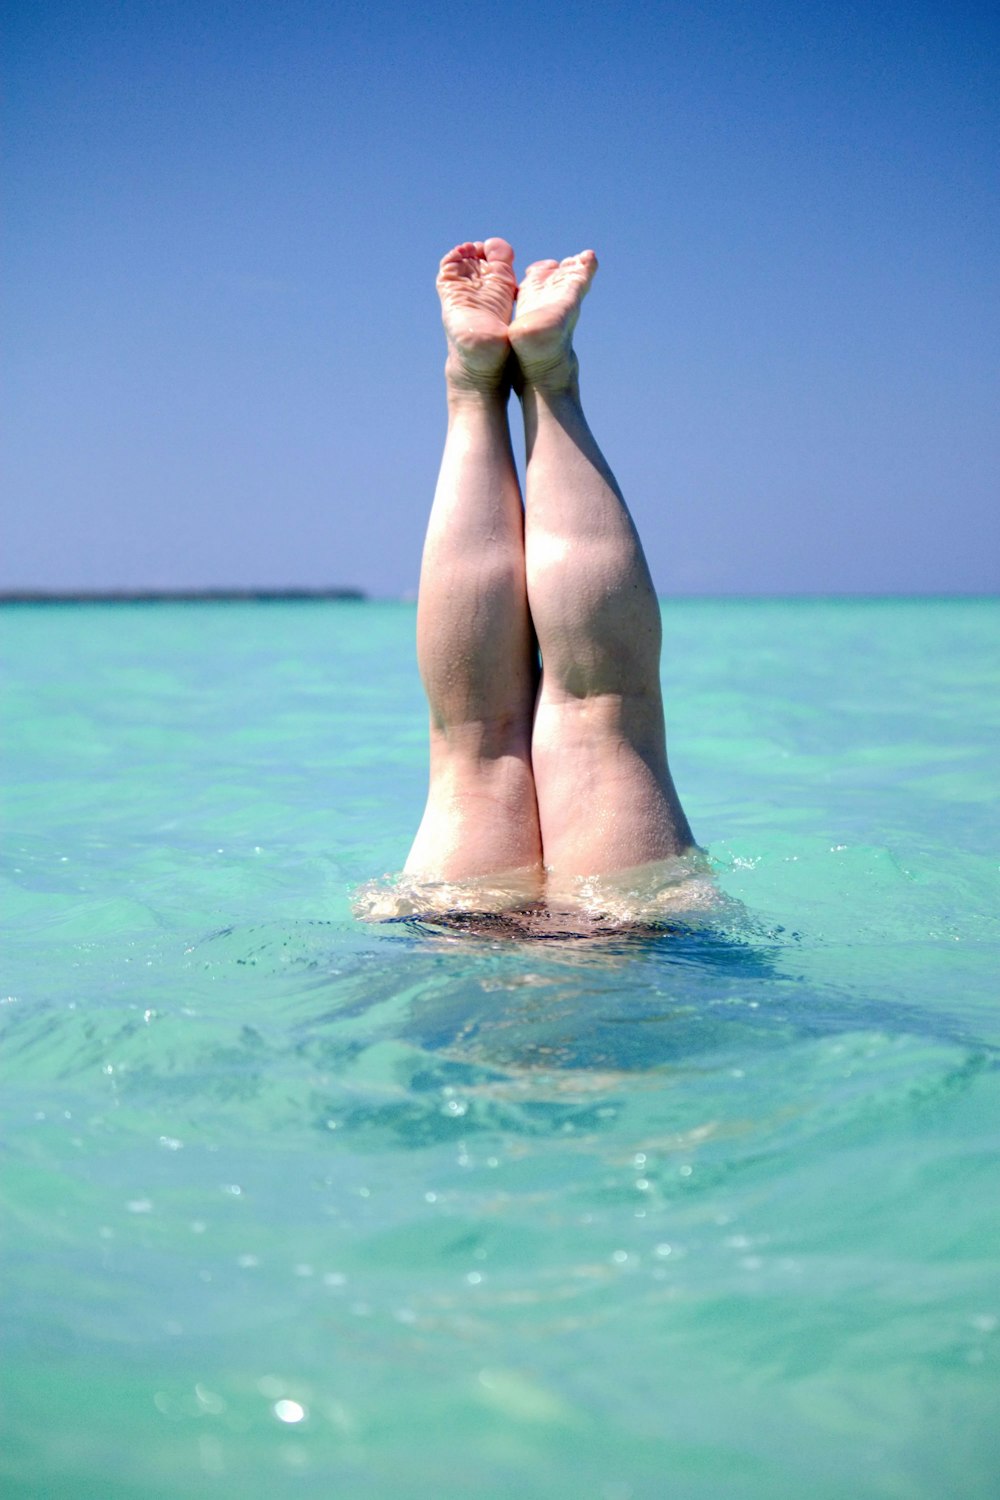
(456, 254)
(582, 267)
(586, 258)
(540, 268)
(499, 250)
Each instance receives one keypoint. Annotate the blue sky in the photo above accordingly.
(223, 222)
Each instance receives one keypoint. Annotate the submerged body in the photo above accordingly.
(538, 629)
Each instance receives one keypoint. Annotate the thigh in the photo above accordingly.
(606, 799)
(481, 816)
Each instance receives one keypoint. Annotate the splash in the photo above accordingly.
(519, 904)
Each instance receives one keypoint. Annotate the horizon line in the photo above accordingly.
(352, 594)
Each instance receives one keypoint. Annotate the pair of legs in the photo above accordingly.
(559, 769)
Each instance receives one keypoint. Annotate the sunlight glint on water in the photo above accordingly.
(294, 1203)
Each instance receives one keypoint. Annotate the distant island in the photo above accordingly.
(174, 596)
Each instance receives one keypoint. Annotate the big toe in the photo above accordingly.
(499, 250)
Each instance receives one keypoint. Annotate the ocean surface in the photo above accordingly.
(293, 1204)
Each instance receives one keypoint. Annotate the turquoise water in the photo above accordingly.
(297, 1205)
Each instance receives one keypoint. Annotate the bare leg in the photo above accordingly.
(475, 644)
(606, 799)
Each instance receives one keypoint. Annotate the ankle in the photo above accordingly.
(552, 388)
(479, 384)
(557, 377)
(475, 393)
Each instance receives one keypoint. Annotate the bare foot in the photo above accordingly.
(548, 305)
(477, 286)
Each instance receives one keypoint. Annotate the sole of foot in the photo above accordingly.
(548, 306)
(477, 286)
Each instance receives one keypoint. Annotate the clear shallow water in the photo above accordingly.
(293, 1204)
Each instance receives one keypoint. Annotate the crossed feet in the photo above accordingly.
(478, 289)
